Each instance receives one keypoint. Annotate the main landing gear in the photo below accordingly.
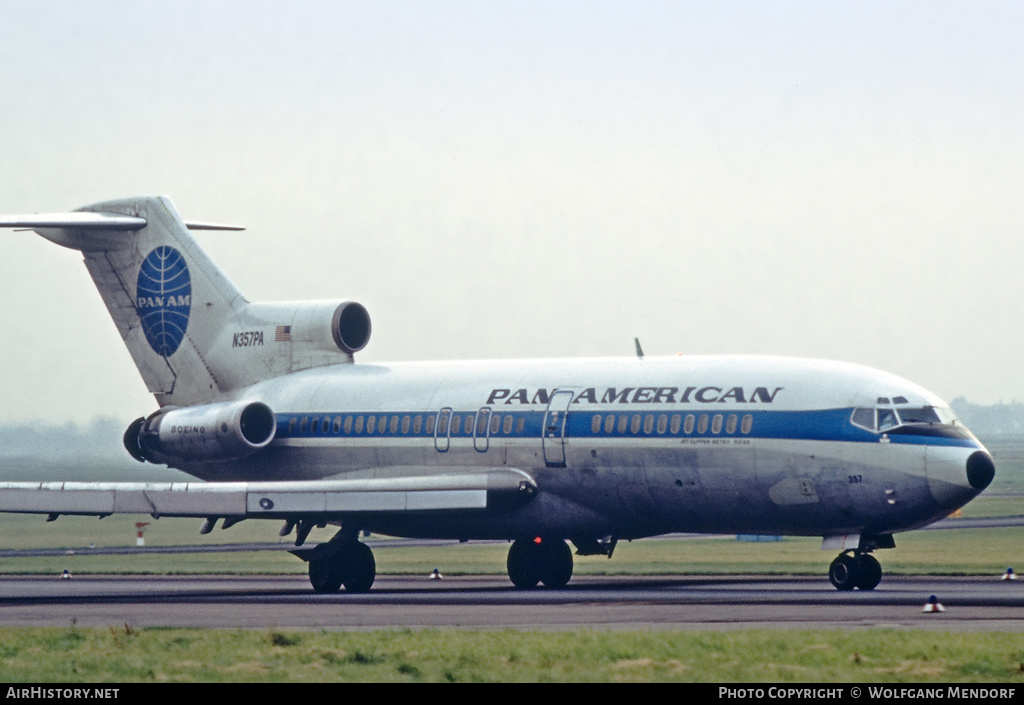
(341, 561)
(853, 569)
(539, 560)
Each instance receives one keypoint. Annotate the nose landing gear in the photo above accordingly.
(853, 569)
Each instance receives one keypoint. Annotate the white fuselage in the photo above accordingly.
(625, 447)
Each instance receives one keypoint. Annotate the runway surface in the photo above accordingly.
(488, 602)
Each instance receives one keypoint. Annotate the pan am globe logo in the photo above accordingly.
(164, 298)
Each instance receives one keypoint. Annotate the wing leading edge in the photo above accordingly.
(272, 500)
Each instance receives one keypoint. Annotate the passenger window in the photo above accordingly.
(623, 423)
(676, 421)
(730, 424)
(430, 426)
(326, 425)
(609, 423)
(417, 425)
(507, 428)
(495, 423)
(292, 424)
(690, 421)
(393, 427)
(442, 425)
(337, 424)
(662, 423)
(521, 426)
(747, 423)
(456, 424)
(648, 423)
(371, 425)
(595, 425)
(303, 425)
(406, 421)
(716, 424)
(702, 425)
(348, 424)
(634, 424)
(359, 425)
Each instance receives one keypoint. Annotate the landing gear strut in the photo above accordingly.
(853, 569)
(547, 561)
(341, 561)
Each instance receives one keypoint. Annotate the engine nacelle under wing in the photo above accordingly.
(206, 433)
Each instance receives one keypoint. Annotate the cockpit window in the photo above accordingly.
(924, 414)
(865, 418)
(887, 419)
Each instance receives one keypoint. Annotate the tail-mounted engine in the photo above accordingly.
(331, 325)
(206, 433)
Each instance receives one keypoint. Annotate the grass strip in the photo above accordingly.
(128, 655)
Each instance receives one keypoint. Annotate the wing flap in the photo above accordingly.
(418, 493)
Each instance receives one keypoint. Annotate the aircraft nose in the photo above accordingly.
(980, 470)
(956, 477)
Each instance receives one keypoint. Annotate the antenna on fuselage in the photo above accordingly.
(639, 350)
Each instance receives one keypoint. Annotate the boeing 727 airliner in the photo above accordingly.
(265, 405)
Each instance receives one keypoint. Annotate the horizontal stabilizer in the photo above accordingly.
(319, 498)
(212, 226)
(93, 221)
(73, 221)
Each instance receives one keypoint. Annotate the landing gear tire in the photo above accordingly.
(352, 566)
(548, 562)
(844, 572)
(855, 570)
(326, 574)
(361, 569)
(556, 564)
(522, 565)
(870, 572)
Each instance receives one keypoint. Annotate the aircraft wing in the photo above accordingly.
(442, 490)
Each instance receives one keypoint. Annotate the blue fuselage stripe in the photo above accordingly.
(824, 425)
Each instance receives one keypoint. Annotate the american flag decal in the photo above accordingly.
(283, 334)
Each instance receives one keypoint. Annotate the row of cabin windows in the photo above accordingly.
(418, 425)
(424, 425)
(612, 423)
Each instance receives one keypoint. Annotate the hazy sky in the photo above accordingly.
(535, 179)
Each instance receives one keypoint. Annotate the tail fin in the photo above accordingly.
(167, 298)
(191, 333)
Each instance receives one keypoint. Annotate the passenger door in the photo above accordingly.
(553, 431)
